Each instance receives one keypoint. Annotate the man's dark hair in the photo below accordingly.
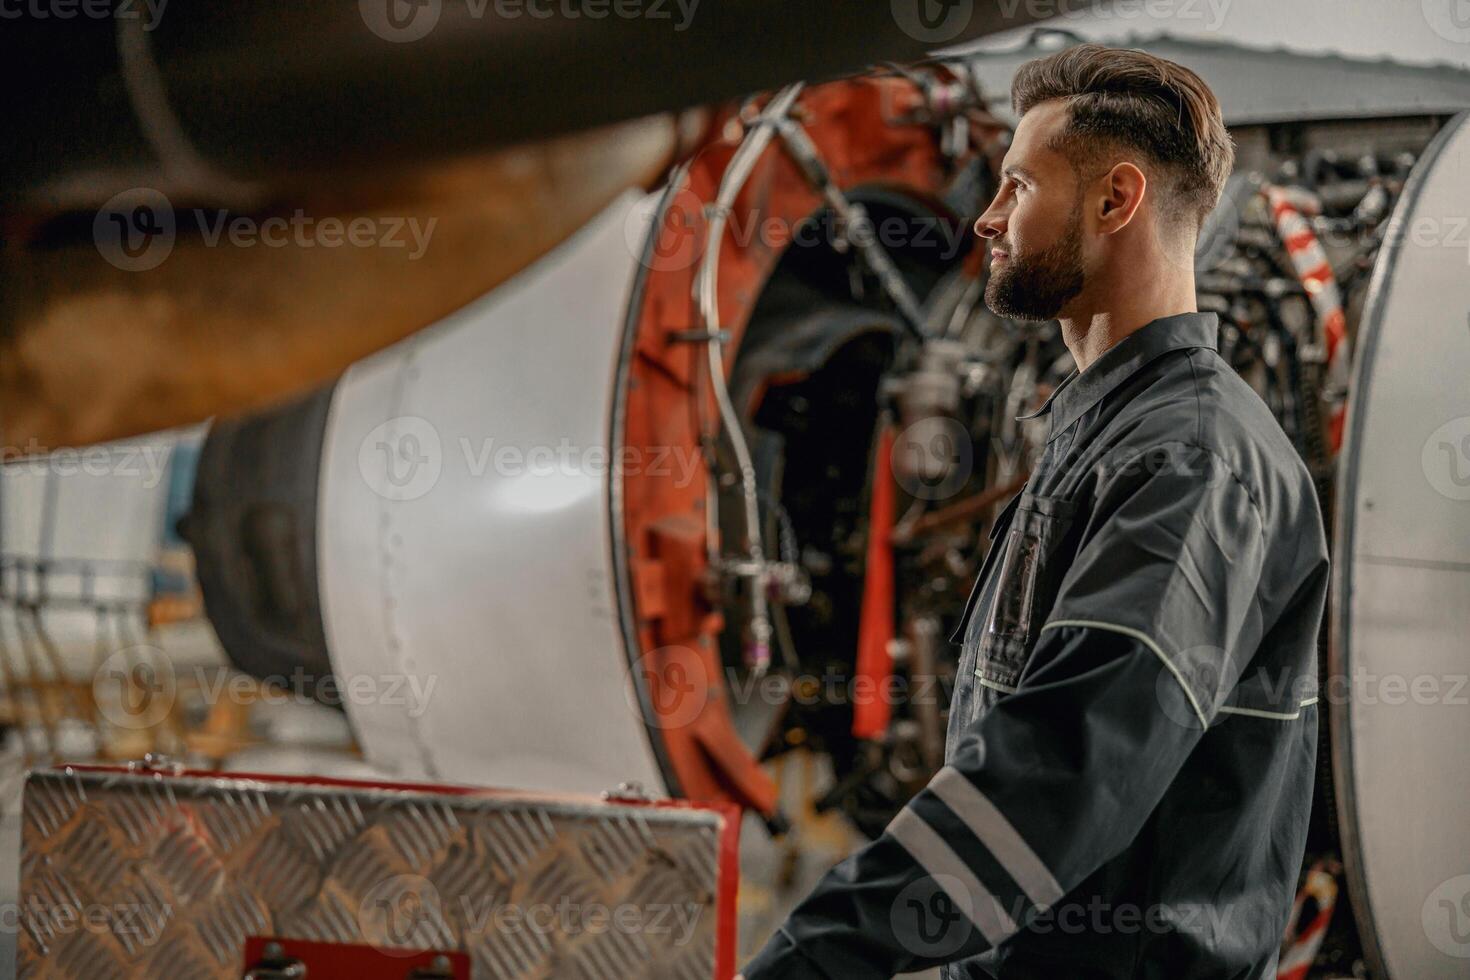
(1129, 100)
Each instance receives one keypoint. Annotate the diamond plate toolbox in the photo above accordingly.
(137, 873)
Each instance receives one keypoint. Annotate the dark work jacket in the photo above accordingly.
(1132, 741)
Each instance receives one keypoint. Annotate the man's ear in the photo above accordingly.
(1123, 188)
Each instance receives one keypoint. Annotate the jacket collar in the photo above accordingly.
(1083, 389)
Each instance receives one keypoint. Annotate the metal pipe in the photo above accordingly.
(707, 288)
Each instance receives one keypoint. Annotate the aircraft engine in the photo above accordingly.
(602, 479)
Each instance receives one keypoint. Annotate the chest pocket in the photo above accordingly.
(997, 528)
(1029, 575)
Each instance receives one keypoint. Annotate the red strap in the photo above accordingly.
(871, 708)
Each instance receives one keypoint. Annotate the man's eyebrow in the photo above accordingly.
(1014, 170)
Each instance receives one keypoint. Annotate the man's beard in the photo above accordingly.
(1036, 287)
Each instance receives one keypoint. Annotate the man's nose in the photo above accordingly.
(991, 224)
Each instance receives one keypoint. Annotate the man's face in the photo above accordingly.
(1034, 225)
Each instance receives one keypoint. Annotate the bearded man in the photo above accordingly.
(1132, 740)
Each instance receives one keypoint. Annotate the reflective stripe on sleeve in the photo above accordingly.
(953, 875)
(993, 830)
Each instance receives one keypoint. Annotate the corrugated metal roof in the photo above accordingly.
(1258, 85)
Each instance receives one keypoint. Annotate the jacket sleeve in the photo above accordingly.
(1154, 621)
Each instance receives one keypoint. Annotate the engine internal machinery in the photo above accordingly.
(843, 396)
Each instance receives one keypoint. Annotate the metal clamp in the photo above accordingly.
(628, 792)
(698, 337)
(157, 762)
(276, 965)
